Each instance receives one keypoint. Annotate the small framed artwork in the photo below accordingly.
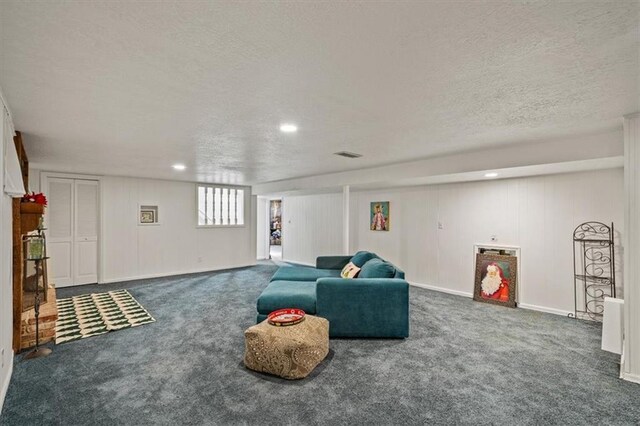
(148, 215)
(496, 277)
(379, 216)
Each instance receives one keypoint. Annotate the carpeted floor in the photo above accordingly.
(465, 363)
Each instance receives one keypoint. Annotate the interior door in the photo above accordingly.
(72, 237)
(60, 230)
(85, 265)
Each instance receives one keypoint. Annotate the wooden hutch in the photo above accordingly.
(26, 217)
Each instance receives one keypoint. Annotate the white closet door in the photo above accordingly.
(60, 194)
(85, 263)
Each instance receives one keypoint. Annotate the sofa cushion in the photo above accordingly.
(350, 271)
(301, 273)
(362, 257)
(288, 294)
(377, 268)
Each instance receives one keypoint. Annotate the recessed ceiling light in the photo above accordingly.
(179, 166)
(491, 175)
(288, 128)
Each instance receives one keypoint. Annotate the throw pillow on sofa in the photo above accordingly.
(362, 257)
(350, 271)
(377, 268)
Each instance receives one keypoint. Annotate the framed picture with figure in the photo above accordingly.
(496, 277)
(379, 216)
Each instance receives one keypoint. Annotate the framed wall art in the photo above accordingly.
(148, 215)
(379, 216)
(496, 279)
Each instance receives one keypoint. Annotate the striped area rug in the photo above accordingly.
(98, 313)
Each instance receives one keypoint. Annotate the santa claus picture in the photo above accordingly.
(495, 281)
(494, 285)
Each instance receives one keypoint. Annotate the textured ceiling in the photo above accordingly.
(130, 88)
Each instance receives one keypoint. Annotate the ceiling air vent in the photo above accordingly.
(347, 154)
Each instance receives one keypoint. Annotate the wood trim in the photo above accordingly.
(17, 274)
(22, 222)
(22, 159)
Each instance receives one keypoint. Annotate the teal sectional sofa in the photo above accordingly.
(374, 305)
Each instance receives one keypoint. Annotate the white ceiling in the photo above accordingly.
(129, 88)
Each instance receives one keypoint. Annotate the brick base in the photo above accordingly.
(47, 328)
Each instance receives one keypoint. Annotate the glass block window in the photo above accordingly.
(220, 206)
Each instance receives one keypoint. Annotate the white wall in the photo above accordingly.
(262, 227)
(312, 226)
(537, 214)
(6, 293)
(6, 265)
(174, 246)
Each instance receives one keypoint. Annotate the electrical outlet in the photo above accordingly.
(440, 225)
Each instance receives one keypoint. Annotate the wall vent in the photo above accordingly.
(347, 154)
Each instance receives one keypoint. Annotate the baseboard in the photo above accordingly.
(442, 289)
(544, 309)
(172, 274)
(7, 380)
(470, 295)
(635, 378)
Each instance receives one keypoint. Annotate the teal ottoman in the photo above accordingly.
(287, 294)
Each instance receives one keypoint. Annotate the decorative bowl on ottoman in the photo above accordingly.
(290, 352)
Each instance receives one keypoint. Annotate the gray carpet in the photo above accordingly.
(465, 363)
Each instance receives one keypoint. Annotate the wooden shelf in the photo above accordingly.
(26, 218)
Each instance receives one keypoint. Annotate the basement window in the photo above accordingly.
(220, 206)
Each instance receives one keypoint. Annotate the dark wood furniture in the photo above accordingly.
(26, 217)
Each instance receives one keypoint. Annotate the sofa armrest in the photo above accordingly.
(364, 307)
(332, 262)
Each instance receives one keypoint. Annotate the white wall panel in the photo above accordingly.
(312, 227)
(175, 245)
(537, 214)
(119, 237)
(6, 276)
(262, 226)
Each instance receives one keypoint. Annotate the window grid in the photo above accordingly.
(220, 206)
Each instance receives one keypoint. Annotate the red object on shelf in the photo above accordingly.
(38, 198)
(288, 316)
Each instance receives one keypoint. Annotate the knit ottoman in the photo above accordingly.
(291, 352)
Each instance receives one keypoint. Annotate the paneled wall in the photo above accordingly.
(130, 251)
(174, 246)
(6, 261)
(312, 226)
(6, 292)
(434, 228)
(262, 226)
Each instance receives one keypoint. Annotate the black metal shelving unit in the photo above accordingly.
(594, 269)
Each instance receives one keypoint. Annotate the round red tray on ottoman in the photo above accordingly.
(283, 317)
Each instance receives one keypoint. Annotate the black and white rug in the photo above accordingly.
(98, 313)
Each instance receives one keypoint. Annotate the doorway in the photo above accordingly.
(72, 220)
(275, 229)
